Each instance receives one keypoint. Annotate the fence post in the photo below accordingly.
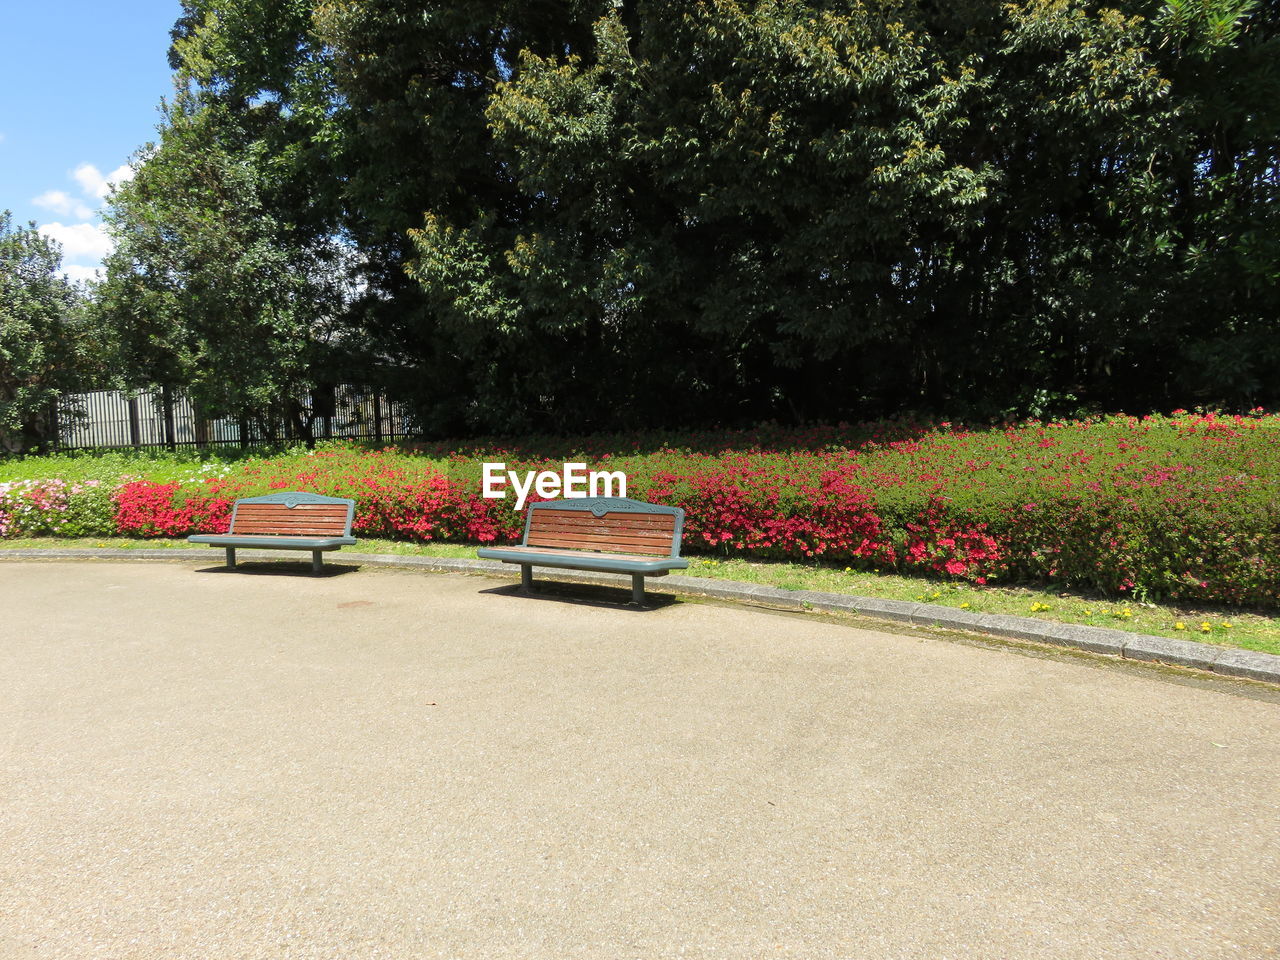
(377, 415)
(135, 423)
(324, 402)
(200, 424)
(55, 425)
(166, 399)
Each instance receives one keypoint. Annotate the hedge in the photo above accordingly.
(1185, 506)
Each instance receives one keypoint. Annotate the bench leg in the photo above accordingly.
(526, 578)
(317, 563)
(637, 589)
(231, 558)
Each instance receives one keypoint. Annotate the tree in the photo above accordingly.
(413, 81)
(1219, 245)
(803, 209)
(47, 345)
(796, 209)
(583, 214)
(227, 277)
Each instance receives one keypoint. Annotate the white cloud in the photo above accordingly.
(63, 203)
(121, 174)
(80, 241)
(91, 181)
(79, 274)
(84, 242)
(97, 186)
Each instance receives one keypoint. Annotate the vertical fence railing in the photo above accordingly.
(113, 419)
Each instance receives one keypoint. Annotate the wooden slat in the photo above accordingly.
(622, 530)
(283, 511)
(289, 525)
(663, 521)
(278, 535)
(598, 540)
(612, 546)
(605, 529)
(300, 508)
(280, 525)
(246, 505)
(283, 517)
(287, 517)
(301, 522)
(617, 516)
(304, 518)
(561, 552)
(568, 544)
(289, 521)
(612, 529)
(298, 532)
(624, 533)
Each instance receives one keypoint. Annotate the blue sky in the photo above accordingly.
(79, 86)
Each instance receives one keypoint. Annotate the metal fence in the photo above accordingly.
(106, 419)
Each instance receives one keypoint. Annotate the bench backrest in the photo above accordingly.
(293, 514)
(605, 525)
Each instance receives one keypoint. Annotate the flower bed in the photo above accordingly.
(1185, 507)
(56, 508)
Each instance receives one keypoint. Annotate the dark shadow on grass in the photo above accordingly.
(585, 594)
(283, 568)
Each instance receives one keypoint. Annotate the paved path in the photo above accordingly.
(197, 764)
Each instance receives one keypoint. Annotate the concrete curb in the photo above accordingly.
(1227, 661)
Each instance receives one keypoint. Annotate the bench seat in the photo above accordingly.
(584, 560)
(608, 534)
(272, 543)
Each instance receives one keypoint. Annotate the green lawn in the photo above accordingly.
(1249, 630)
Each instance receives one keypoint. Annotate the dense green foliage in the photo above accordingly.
(47, 345)
(225, 278)
(595, 215)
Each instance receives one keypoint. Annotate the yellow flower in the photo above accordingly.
(1226, 626)
(965, 605)
(1205, 628)
(1179, 625)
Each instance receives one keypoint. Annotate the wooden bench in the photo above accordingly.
(286, 521)
(613, 534)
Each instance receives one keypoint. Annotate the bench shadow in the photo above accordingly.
(283, 568)
(585, 594)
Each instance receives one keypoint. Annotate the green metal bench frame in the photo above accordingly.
(290, 499)
(599, 507)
